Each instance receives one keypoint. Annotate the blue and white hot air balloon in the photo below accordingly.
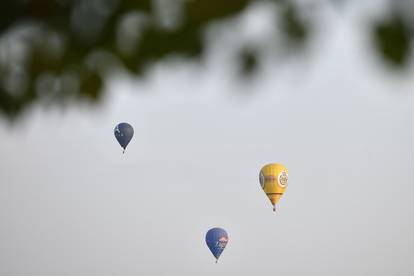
(216, 239)
(124, 133)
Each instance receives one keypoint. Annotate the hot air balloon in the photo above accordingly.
(216, 239)
(123, 133)
(273, 179)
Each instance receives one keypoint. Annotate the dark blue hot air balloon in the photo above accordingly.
(216, 239)
(123, 133)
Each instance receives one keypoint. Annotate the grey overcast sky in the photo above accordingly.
(72, 204)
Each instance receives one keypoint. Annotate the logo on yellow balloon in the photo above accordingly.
(282, 179)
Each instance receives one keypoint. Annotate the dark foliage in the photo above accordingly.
(58, 51)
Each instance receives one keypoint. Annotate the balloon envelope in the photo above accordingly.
(273, 179)
(124, 133)
(216, 239)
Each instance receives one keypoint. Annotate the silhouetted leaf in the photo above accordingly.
(392, 40)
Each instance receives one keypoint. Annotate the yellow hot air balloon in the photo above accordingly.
(274, 179)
